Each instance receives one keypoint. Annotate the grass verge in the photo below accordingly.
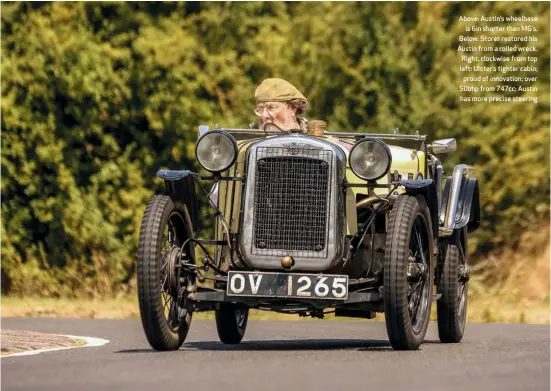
(122, 308)
(487, 309)
(79, 342)
(510, 286)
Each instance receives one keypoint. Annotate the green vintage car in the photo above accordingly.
(309, 223)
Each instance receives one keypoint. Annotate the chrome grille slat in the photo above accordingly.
(291, 201)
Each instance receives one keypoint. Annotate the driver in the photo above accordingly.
(279, 103)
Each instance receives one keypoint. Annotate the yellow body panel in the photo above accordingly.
(226, 190)
(406, 161)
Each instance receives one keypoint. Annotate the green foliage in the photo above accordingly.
(97, 96)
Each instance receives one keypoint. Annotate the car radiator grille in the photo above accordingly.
(291, 200)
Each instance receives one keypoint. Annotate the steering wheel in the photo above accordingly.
(264, 128)
(281, 130)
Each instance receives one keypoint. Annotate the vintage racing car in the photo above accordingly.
(309, 223)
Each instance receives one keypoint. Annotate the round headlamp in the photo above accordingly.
(370, 159)
(216, 151)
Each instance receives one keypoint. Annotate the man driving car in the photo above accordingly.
(279, 104)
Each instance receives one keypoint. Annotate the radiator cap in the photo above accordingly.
(315, 128)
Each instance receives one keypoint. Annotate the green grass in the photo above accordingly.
(79, 342)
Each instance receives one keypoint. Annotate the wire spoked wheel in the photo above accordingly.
(453, 277)
(173, 286)
(162, 281)
(419, 286)
(408, 273)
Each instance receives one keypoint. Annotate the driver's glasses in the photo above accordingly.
(271, 109)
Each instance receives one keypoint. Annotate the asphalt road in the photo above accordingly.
(282, 356)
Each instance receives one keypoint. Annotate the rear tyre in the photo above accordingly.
(231, 322)
(408, 273)
(453, 286)
(161, 284)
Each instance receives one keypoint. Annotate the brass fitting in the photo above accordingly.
(315, 128)
(287, 262)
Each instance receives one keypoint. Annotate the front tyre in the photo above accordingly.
(161, 284)
(408, 273)
(452, 285)
(231, 322)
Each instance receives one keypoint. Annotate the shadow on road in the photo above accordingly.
(282, 345)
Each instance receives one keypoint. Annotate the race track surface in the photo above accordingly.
(282, 356)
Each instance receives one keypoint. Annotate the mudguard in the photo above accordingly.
(468, 207)
(427, 188)
(180, 185)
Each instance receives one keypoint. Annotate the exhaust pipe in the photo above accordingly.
(459, 172)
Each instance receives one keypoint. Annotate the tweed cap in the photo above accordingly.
(277, 90)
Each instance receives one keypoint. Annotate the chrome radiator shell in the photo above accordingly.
(285, 222)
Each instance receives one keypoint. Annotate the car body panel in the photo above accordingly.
(406, 163)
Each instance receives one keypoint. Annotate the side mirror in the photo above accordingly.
(444, 146)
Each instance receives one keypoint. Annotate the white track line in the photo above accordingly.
(90, 342)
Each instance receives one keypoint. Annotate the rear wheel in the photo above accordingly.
(231, 322)
(408, 273)
(162, 283)
(453, 276)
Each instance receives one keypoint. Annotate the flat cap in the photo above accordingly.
(277, 90)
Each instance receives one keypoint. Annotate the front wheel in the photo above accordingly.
(408, 273)
(162, 284)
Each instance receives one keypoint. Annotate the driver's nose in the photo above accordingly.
(266, 117)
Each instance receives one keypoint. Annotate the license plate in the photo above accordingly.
(296, 285)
